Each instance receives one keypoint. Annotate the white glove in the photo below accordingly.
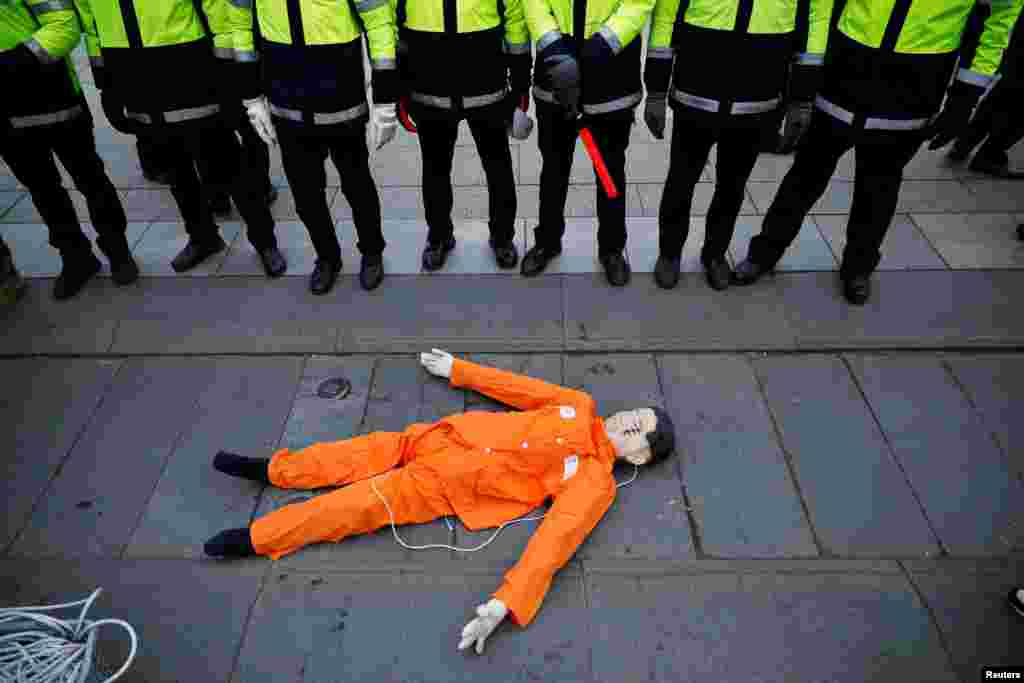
(259, 117)
(383, 125)
(438, 363)
(478, 630)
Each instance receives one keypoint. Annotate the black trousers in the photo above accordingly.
(224, 172)
(738, 149)
(1000, 118)
(30, 154)
(881, 157)
(304, 150)
(437, 147)
(557, 139)
(255, 154)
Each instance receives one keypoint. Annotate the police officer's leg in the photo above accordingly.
(437, 147)
(226, 170)
(75, 147)
(255, 153)
(204, 237)
(876, 189)
(737, 153)
(816, 160)
(491, 136)
(556, 137)
(690, 148)
(29, 154)
(612, 137)
(352, 159)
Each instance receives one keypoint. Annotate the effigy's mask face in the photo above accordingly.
(629, 431)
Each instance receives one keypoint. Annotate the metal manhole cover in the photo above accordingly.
(335, 387)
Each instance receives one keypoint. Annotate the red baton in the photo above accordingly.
(595, 157)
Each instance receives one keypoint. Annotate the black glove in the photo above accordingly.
(956, 114)
(563, 72)
(798, 120)
(18, 57)
(655, 116)
(113, 107)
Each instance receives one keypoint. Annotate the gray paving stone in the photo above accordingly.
(981, 240)
(723, 428)
(150, 205)
(94, 504)
(473, 254)
(968, 599)
(29, 242)
(8, 183)
(163, 240)
(650, 196)
(582, 169)
(581, 202)
(410, 314)
(722, 627)
(837, 198)
(398, 203)
(923, 309)
(857, 497)
(600, 317)
(284, 208)
(771, 167)
(995, 385)
(292, 240)
(227, 315)
(396, 165)
(39, 424)
(938, 440)
(905, 247)
(579, 248)
(83, 325)
(242, 406)
(401, 393)
(403, 254)
(190, 616)
(643, 246)
(646, 163)
(467, 169)
(936, 196)
(391, 627)
(809, 250)
(993, 195)
(20, 209)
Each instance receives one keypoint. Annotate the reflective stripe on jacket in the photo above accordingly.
(49, 92)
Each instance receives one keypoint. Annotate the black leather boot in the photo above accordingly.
(196, 252)
(230, 544)
(435, 255)
(324, 276)
(371, 271)
(78, 269)
(255, 469)
(666, 271)
(537, 259)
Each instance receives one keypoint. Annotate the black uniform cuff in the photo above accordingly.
(657, 75)
(804, 82)
(387, 86)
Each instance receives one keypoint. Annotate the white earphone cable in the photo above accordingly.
(445, 546)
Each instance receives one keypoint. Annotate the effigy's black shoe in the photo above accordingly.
(230, 543)
(256, 469)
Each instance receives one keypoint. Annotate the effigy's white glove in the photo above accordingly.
(259, 117)
(438, 363)
(383, 125)
(478, 630)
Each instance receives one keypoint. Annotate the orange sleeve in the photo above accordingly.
(575, 513)
(518, 391)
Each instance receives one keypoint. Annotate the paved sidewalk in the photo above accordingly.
(846, 505)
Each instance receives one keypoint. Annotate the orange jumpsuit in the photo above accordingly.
(487, 468)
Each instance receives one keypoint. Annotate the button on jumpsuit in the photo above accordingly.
(487, 468)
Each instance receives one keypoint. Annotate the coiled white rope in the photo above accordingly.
(445, 546)
(38, 648)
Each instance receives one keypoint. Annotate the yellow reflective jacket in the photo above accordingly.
(754, 44)
(47, 92)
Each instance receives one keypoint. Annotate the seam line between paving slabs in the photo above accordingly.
(927, 239)
(237, 658)
(931, 618)
(943, 550)
(979, 415)
(695, 536)
(67, 456)
(281, 431)
(787, 459)
(178, 439)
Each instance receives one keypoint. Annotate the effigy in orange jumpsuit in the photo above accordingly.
(486, 468)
